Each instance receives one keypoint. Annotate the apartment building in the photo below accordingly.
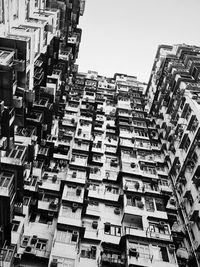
(116, 207)
(94, 170)
(39, 44)
(174, 90)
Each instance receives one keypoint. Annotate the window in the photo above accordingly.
(15, 225)
(1, 11)
(25, 241)
(88, 252)
(149, 204)
(141, 133)
(135, 201)
(67, 237)
(4, 181)
(159, 228)
(150, 170)
(164, 182)
(159, 204)
(111, 189)
(45, 219)
(160, 168)
(187, 144)
(198, 223)
(41, 244)
(65, 262)
(188, 113)
(112, 230)
(142, 249)
(16, 9)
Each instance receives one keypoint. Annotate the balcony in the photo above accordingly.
(127, 142)
(98, 159)
(69, 121)
(126, 134)
(77, 176)
(35, 117)
(48, 203)
(70, 215)
(96, 173)
(98, 146)
(152, 257)
(142, 145)
(83, 133)
(131, 168)
(110, 149)
(110, 193)
(148, 171)
(31, 183)
(111, 140)
(112, 259)
(73, 194)
(91, 229)
(138, 206)
(81, 146)
(14, 157)
(110, 175)
(79, 160)
(7, 256)
(50, 181)
(6, 184)
(159, 231)
(139, 186)
(93, 209)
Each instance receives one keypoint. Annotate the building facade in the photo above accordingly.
(173, 89)
(94, 170)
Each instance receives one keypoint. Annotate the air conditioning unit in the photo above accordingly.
(27, 181)
(171, 248)
(74, 175)
(17, 101)
(161, 223)
(140, 204)
(133, 165)
(54, 263)
(34, 240)
(133, 252)
(52, 205)
(78, 191)
(1, 106)
(74, 236)
(54, 178)
(117, 211)
(172, 201)
(43, 142)
(107, 175)
(19, 65)
(107, 227)
(17, 258)
(74, 207)
(28, 249)
(95, 224)
(45, 176)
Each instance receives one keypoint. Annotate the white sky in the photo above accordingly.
(123, 35)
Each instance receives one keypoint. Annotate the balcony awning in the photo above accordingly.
(194, 216)
(176, 160)
(196, 176)
(193, 117)
(183, 141)
(184, 110)
(187, 194)
(164, 125)
(111, 247)
(156, 219)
